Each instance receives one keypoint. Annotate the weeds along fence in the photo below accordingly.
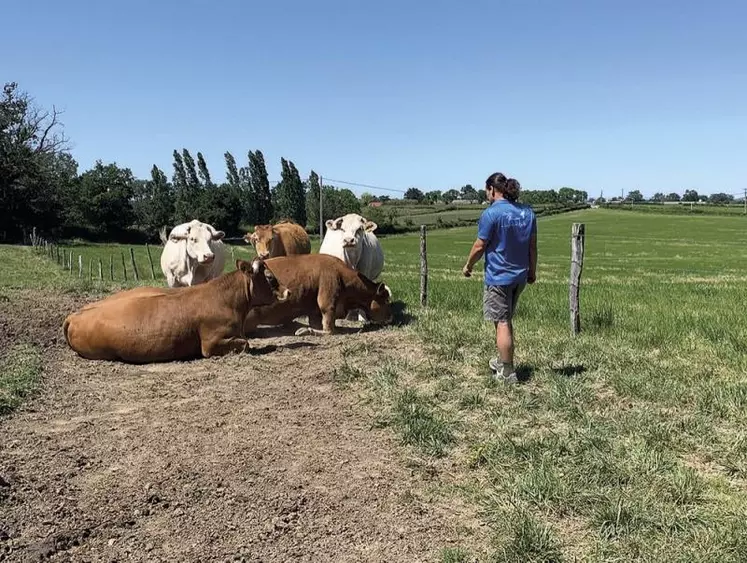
(96, 268)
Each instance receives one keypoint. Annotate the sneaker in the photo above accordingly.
(497, 367)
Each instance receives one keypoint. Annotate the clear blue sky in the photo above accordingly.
(595, 94)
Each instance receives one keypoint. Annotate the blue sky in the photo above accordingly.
(596, 94)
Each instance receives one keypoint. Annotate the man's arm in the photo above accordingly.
(475, 253)
(532, 276)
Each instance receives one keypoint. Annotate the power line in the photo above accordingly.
(363, 185)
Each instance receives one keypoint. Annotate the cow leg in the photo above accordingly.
(223, 346)
(328, 325)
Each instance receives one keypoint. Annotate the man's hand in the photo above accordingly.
(467, 271)
(531, 277)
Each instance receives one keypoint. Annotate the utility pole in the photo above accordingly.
(321, 215)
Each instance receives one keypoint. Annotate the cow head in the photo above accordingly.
(262, 239)
(264, 288)
(380, 308)
(198, 236)
(352, 226)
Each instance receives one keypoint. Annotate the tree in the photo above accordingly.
(260, 189)
(468, 193)
(690, 195)
(721, 199)
(155, 206)
(290, 195)
(450, 195)
(481, 197)
(312, 200)
(414, 193)
(570, 196)
(635, 196)
(107, 191)
(232, 172)
(203, 172)
(31, 145)
(433, 196)
(658, 197)
(367, 198)
(672, 197)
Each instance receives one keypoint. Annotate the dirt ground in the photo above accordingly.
(248, 458)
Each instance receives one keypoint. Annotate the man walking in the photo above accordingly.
(507, 236)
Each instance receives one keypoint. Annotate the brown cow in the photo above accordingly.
(149, 324)
(324, 288)
(285, 238)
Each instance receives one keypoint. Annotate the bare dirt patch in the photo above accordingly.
(254, 458)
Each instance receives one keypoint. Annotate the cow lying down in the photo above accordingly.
(324, 288)
(154, 324)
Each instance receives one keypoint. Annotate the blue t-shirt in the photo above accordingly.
(506, 228)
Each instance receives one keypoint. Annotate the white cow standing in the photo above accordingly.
(193, 253)
(351, 238)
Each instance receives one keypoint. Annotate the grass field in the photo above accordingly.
(626, 443)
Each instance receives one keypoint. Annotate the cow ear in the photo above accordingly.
(218, 235)
(370, 226)
(383, 289)
(330, 224)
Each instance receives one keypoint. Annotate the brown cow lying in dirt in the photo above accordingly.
(153, 324)
(285, 238)
(324, 288)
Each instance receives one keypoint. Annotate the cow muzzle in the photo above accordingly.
(282, 295)
(348, 242)
(263, 255)
(207, 259)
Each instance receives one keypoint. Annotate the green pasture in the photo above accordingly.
(625, 443)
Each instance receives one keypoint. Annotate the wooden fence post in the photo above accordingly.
(577, 264)
(70, 262)
(101, 271)
(124, 268)
(80, 266)
(150, 260)
(134, 266)
(111, 267)
(423, 269)
(90, 268)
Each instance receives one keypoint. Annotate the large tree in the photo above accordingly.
(414, 193)
(290, 197)
(312, 200)
(31, 145)
(260, 188)
(155, 206)
(468, 193)
(107, 191)
(690, 195)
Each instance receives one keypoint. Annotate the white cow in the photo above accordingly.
(351, 238)
(193, 253)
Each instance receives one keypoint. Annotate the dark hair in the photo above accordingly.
(506, 186)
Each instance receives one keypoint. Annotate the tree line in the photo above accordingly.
(41, 187)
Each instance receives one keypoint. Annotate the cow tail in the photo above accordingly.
(65, 326)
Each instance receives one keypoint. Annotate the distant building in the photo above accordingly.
(375, 204)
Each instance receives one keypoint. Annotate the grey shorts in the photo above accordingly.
(499, 301)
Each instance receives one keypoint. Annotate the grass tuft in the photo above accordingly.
(20, 370)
